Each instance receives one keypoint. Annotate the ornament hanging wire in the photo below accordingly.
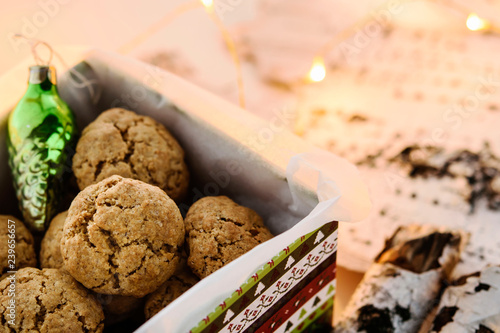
(77, 79)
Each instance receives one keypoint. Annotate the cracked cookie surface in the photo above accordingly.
(50, 249)
(116, 308)
(219, 231)
(24, 247)
(49, 300)
(122, 237)
(120, 142)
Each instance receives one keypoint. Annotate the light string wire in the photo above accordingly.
(318, 66)
(174, 14)
(83, 81)
(233, 51)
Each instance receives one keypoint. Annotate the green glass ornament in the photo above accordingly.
(41, 137)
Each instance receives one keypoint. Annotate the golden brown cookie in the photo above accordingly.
(180, 282)
(50, 250)
(219, 231)
(122, 237)
(120, 142)
(48, 301)
(116, 308)
(14, 236)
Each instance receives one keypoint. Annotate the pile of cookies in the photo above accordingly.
(122, 247)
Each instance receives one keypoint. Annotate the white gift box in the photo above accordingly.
(301, 192)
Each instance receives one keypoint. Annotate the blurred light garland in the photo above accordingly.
(473, 22)
(318, 70)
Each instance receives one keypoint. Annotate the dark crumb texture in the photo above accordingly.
(219, 231)
(470, 304)
(122, 237)
(404, 283)
(481, 170)
(50, 301)
(374, 320)
(24, 245)
(421, 254)
(444, 316)
(484, 329)
(120, 142)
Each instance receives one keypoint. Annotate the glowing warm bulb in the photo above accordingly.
(318, 70)
(475, 23)
(207, 3)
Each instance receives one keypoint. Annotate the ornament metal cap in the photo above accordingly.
(40, 73)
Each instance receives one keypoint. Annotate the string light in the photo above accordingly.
(208, 4)
(318, 70)
(475, 23)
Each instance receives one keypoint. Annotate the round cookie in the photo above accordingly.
(122, 237)
(180, 282)
(21, 244)
(219, 231)
(116, 308)
(48, 300)
(50, 249)
(120, 142)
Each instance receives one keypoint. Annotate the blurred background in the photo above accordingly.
(277, 40)
(363, 79)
